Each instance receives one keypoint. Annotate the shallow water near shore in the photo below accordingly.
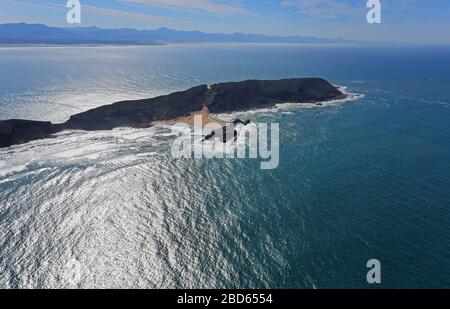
(357, 180)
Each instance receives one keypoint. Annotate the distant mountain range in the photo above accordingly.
(38, 34)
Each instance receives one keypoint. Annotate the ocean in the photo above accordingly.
(358, 180)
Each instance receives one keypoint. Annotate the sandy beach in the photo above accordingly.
(207, 119)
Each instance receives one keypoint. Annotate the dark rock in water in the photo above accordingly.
(319, 104)
(228, 132)
(239, 121)
(13, 132)
(209, 136)
(219, 98)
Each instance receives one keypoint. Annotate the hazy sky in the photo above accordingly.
(412, 21)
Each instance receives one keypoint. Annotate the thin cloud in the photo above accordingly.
(121, 13)
(97, 10)
(326, 9)
(208, 6)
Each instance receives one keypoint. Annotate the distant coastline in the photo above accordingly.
(78, 45)
(6, 46)
(22, 34)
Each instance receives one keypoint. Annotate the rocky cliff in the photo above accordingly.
(219, 98)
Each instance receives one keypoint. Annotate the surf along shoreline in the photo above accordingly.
(182, 106)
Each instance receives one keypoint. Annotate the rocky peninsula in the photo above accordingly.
(216, 98)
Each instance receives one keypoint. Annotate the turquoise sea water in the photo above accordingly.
(367, 179)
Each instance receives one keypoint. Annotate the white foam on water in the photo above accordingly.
(6, 169)
(70, 147)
